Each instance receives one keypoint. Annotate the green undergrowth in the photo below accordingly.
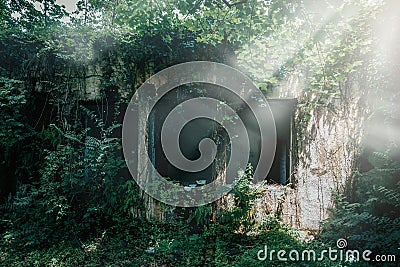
(140, 243)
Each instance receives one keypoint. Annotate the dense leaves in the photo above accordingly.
(66, 196)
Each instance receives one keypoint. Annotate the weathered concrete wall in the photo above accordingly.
(277, 199)
(92, 86)
(325, 150)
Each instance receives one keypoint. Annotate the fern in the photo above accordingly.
(391, 196)
(371, 220)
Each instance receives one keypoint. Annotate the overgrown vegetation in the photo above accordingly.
(52, 235)
(66, 196)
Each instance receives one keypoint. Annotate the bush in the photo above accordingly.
(369, 216)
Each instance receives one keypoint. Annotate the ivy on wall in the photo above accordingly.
(67, 184)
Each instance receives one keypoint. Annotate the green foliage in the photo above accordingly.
(40, 17)
(240, 216)
(75, 204)
(79, 191)
(370, 216)
(201, 215)
(137, 242)
(13, 128)
(368, 213)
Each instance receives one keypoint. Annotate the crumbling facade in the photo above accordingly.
(325, 152)
(321, 152)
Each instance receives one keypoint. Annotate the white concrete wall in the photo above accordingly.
(327, 146)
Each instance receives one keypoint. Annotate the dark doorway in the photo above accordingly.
(283, 111)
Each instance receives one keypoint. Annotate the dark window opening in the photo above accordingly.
(190, 136)
(196, 130)
(281, 168)
(283, 111)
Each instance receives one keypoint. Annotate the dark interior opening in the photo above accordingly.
(199, 129)
(283, 111)
(190, 136)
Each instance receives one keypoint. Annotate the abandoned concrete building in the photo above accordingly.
(314, 159)
(315, 154)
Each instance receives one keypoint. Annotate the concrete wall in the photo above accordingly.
(325, 149)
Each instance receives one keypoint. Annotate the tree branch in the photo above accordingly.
(234, 4)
